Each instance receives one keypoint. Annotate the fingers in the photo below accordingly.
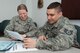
(26, 43)
(29, 43)
(42, 38)
(26, 40)
(24, 35)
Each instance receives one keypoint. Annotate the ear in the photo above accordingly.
(60, 14)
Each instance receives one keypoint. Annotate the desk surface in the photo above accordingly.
(39, 51)
(71, 50)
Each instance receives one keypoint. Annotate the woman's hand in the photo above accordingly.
(12, 38)
(42, 37)
(24, 35)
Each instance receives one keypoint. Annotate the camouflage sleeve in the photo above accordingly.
(32, 29)
(64, 40)
(9, 27)
(40, 32)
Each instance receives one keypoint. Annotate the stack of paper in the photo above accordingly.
(5, 45)
(14, 34)
(18, 47)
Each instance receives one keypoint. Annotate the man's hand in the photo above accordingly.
(29, 43)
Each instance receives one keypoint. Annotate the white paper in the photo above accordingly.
(14, 34)
(18, 47)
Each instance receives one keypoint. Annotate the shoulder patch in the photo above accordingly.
(68, 32)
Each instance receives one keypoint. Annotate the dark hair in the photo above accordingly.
(55, 5)
(22, 6)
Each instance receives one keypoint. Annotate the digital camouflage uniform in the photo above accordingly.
(60, 36)
(23, 27)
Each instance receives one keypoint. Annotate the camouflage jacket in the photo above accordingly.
(23, 27)
(60, 35)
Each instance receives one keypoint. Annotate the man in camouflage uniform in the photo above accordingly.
(21, 23)
(56, 34)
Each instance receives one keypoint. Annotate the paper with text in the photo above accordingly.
(18, 47)
(14, 34)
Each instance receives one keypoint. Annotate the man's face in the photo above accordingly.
(23, 14)
(53, 15)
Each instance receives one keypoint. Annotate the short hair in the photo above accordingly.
(22, 6)
(55, 5)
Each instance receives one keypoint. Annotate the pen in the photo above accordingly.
(16, 47)
(23, 46)
(13, 48)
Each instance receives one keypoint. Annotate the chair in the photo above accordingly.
(3, 24)
(78, 33)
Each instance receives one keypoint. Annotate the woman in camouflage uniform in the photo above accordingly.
(21, 23)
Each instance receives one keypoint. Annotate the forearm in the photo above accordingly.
(58, 43)
(10, 28)
(31, 33)
(6, 34)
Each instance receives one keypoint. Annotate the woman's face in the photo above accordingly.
(23, 14)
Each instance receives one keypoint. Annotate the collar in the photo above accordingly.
(58, 22)
(23, 22)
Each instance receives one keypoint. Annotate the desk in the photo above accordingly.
(71, 50)
(39, 51)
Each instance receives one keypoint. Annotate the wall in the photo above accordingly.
(76, 22)
(39, 15)
(8, 8)
(29, 4)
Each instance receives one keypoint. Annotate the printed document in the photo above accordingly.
(5, 45)
(14, 34)
(18, 47)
